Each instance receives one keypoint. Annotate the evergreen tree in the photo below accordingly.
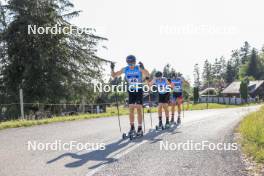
(230, 72)
(195, 94)
(244, 52)
(207, 73)
(236, 63)
(244, 88)
(253, 65)
(49, 67)
(196, 74)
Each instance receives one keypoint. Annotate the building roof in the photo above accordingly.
(234, 87)
(209, 89)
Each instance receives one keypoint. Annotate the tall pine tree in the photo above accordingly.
(48, 67)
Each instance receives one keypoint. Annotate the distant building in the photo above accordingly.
(211, 91)
(255, 89)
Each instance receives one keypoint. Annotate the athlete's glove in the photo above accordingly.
(147, 78)
(112, 66)
(141, 65)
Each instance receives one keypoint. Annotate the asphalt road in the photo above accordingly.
(145, 156)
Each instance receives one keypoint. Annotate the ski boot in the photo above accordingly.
(130, 134)
(160, 126)
(179, 121)
(172, 121)
(167, 125)
(139, 132)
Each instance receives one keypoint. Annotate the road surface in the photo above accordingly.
(145, 156)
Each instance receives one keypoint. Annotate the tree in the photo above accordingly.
(207, 73)
(261, 59)
(196, 74)
(169, 71)
(253, 68)
(244, 89)
(196, 94)
(236, 62)
(244, 52)
(50, 67)
(230, 72)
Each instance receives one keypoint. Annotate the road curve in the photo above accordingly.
(145, 156)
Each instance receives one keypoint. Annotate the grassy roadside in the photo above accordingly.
(110, 112)
(252, 133)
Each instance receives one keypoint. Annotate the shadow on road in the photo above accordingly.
(104, 156)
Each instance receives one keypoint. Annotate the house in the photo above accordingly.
(208, 91)
(255, 89)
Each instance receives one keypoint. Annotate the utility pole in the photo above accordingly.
(21, 103)
(207, 104)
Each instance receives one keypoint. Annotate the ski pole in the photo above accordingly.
(118, 114)
(116, 97)
(143, 118)
(183, 108)
(150, 113)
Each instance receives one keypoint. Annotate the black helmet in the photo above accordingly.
(131, 59)
(158, 74)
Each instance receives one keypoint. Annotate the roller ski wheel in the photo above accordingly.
(132, 135)
(124, 136)
(159, 127)
(140, 133)
(179, 121)
(172, 122)
(167, 126)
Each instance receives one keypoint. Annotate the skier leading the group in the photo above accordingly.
(134, 76)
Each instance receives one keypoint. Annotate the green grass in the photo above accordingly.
(110, 112)
(252, 132)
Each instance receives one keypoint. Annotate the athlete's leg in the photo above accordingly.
(139, 114)
(160, 114)
(173, 105)
(179, 103)
(132, 116)
(166, 109)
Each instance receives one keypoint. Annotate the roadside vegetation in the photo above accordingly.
(252, 131)
(111, 111)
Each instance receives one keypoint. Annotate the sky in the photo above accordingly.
(177, 32)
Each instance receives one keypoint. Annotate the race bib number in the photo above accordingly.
(177, 89)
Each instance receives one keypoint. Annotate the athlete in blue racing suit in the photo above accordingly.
(134, 76)
(164, 88)
(177, 96)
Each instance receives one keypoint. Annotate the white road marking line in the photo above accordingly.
(117, 156)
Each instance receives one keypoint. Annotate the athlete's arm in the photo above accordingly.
(145, 72)
(150, 83)
(170, 83)
(118, 73)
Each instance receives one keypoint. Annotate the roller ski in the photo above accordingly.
(167, 125)
(179, 121)
(160, 127)
(172, 122)
(132, 134)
